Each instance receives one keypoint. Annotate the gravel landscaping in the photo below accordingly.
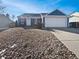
(19, 43)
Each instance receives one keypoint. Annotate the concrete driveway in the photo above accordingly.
(71, 40)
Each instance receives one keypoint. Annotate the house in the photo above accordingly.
(31, 20)
(53, 19)
(5, 21)
(74, 20)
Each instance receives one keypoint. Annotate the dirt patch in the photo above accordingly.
(18, 43)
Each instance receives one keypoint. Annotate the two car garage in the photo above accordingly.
(56, 21)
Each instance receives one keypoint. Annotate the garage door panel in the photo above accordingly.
(55, 22)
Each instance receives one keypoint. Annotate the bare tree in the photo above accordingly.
(2, 7)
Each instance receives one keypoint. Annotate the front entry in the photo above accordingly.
(36, 23)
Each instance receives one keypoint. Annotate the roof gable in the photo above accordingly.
(56, 12)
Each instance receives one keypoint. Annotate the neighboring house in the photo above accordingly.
(53, 19)
(5, 21)
(74, 20)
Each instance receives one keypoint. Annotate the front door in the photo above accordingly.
(39, 22)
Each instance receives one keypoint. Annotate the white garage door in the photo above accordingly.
(56, 22)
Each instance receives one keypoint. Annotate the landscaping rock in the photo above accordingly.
(20, 43)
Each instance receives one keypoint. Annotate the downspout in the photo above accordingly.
(67, 21)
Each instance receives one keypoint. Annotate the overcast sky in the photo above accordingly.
(17, 7)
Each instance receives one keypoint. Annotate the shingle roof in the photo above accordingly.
(30, 14)
(57, 12)
(75, 14)
(33, 14)
(44, 13)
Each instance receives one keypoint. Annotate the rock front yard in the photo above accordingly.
(19, 43)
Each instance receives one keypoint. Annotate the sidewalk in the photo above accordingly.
(71, 40)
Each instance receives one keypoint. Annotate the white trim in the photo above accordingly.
(55, 16)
